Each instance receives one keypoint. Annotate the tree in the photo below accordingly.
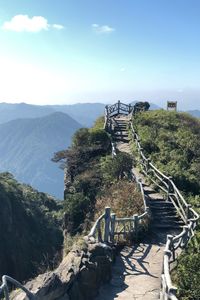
(141, 106)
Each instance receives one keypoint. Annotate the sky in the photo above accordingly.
(69, 51)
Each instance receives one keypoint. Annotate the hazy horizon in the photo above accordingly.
(85, 51)
(161, 104)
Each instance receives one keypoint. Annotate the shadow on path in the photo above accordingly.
(137, 270)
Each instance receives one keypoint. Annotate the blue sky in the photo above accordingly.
(68, 51)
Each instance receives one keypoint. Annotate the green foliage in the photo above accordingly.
(30, 225)
(88, 182)
(113, 168)
(101, 138)
(81, 138)
(99, 123)
(141, 106)
(76, 206)
(187, 276)
(87, 147)
(82, 160)
(172, 140)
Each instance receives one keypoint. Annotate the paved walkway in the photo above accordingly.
(137, 270)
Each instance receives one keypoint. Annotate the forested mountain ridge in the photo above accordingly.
(30, 229)
(27, 146)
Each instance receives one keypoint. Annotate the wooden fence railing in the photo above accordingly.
(185, 211)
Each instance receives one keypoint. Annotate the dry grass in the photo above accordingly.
(123, 197)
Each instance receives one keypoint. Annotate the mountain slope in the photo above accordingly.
(27, 146)
(83, 113)
(30, 230)
(9, 112)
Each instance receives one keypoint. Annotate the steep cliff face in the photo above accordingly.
(78, 277)
(30, 233)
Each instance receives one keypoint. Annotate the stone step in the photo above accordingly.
(121, 135)
(120, 128)
(163, 214)
(121, 140)
(168, 219)
(165, 226)
(121, 124)
(158, 203)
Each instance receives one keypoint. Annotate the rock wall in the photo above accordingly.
(78, 277)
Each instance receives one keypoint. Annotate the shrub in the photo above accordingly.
(113, 168)
(76, 207)
(187, 275)
(123, 197)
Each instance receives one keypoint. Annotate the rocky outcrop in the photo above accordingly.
(78, 277)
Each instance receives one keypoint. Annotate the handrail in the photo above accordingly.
(187, 214)
(5, 290)
(95, 226)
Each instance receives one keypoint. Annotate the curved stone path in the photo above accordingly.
(136, 274)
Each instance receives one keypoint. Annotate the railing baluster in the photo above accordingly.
(107, 225)
(112, 229)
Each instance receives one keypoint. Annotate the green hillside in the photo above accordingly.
(172, 141)
(30, 231)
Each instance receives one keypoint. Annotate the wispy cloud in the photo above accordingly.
(102, 29)
(20, 23)
(58, 26)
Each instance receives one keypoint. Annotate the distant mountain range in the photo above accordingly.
(194, 113)
(27, 146)
(83, 113)
(30, 134)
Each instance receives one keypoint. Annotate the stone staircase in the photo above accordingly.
(164, 215)
(121, 131)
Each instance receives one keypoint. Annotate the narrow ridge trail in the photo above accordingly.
(136, 274)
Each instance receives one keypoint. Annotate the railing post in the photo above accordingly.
(112, 229)
(118, 107)
(106, 117)
(170, 237)
(185, 237)
(147, 164)
(99, 235)
(139, 181)
(169, 190)
(135, 221)
(188, 211)
(107, 224)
